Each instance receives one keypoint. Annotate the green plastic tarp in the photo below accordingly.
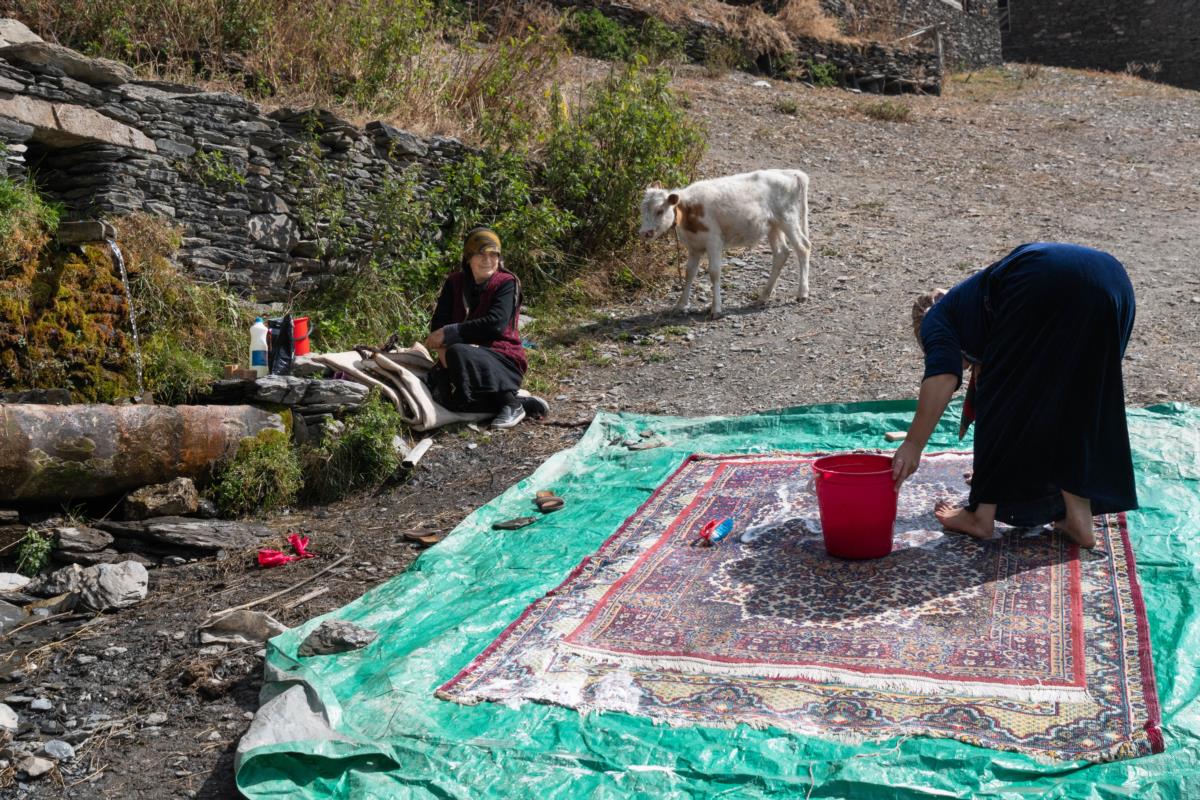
(366, 724)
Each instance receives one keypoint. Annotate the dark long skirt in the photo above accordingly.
(475, 379)
(1050, 398)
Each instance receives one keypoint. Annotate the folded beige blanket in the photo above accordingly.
(398, 375)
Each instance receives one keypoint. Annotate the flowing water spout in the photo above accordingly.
(119, 260)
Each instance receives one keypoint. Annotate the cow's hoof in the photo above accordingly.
(761, 302)
(679, 311)
(713, 316)
(802, 298)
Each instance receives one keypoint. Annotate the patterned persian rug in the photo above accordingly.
(1022, 643)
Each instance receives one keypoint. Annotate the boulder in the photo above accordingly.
(92, 71)
(8, 719)
(335, 393)
(335, 636)
(80, 539)
(15, 32)
(283, 389)
(107, 586)
(12, 582)
(167, 535)
(179, 497)
(99, 587)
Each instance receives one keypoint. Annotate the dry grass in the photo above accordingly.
(396, 60)
(760, 31)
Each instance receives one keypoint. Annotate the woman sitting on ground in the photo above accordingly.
(1044, 331)
(481, 361)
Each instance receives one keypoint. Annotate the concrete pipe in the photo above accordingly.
(64, 452)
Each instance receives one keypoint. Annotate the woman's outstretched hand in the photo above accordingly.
(905, 461)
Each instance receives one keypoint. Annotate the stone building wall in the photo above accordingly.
(1158, 39)
(238, 180)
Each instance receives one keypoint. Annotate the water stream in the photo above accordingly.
(119, 260)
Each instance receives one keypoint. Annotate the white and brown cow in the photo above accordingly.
(734, 211)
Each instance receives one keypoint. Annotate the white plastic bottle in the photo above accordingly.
(258, 347)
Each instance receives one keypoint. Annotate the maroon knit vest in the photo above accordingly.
(509, 342)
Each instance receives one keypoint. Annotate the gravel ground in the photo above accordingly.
(897, 207)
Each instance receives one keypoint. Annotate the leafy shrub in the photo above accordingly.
(821, 73)
(659, 43)
(362, 455)
(264, 476)
(787, 105)
(887, 111)
(33, 554)
(632, 133)
(500, 191)
(599, 36)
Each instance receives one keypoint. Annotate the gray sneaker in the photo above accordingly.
(535, 407)
(509, 416)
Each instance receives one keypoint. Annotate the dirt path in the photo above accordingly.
(896, 207)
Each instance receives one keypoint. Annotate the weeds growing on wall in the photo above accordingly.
(189, 328)
(27, 221)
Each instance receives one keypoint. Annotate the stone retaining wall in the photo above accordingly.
(870, 67)
(239, 181)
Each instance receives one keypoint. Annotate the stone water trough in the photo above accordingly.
(54, 453)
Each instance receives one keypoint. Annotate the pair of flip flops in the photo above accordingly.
(548, 501)
(545, 500)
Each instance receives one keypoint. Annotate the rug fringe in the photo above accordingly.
(906, 684)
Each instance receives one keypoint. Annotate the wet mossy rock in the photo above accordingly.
(63, 324)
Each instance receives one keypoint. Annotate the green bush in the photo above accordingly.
(631, 134)
(361, 456)
(33, 554)
(658, 43)
(499, 190)
(264, 476)
(599, 36)
(821, 73)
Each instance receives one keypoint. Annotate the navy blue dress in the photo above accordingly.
(1048, 325)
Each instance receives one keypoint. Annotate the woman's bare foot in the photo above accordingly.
(977, 523)
(1077, 525)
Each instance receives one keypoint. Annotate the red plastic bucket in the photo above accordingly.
(300, 335)
(857, 499)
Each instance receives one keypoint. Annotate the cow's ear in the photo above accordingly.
(655, 185)
(672, 199)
